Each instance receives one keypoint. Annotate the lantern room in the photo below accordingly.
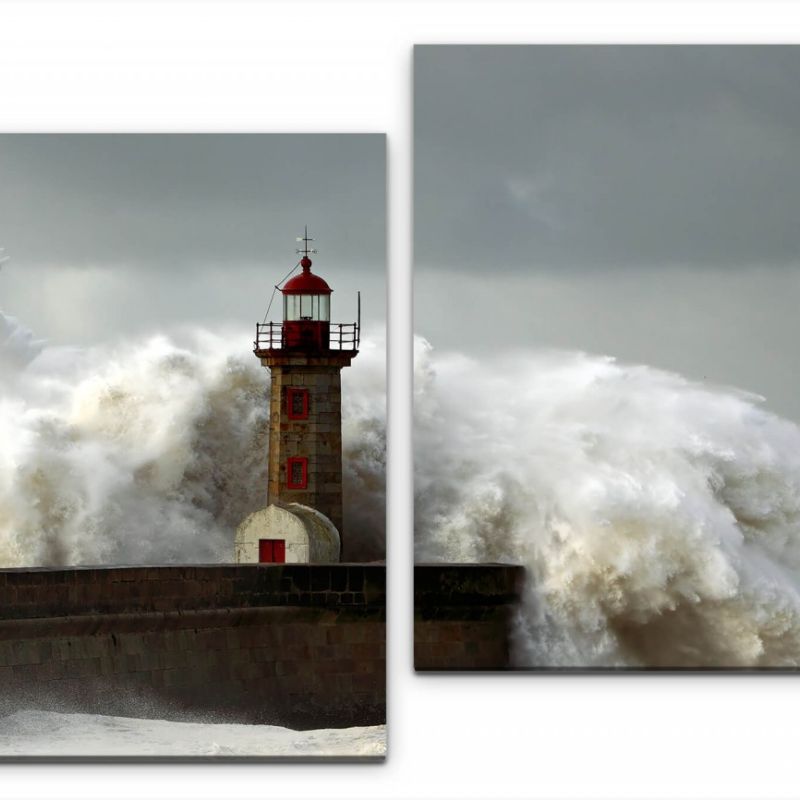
(306, 310)
(306, 296)
(306, 329)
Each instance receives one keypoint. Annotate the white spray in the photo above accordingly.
(150, 452)
(659, 519)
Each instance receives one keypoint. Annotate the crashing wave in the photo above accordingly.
(151, 452)
(658, 518)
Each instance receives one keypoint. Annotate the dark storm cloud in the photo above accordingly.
(537, 157)
(119, 235)
(638, 202)
(189, 202)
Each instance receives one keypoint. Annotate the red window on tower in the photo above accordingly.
(272, 551)
(296, 473)
(297, 403)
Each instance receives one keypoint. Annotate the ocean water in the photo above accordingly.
(46, 733)
(658, 518)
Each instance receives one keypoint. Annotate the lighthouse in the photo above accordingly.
(305, 354)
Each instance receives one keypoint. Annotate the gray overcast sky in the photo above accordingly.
(640, 202)
(117, 234)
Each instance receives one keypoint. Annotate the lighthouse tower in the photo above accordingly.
(305, 354)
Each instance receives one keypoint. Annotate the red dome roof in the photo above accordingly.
(306, 282)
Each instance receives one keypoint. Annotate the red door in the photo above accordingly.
(272, 551)
(279, 551)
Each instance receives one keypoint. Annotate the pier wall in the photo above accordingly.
(297, 645)
(463, 615)
(293, 645)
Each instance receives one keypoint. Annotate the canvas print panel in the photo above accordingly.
(606, 391)
(193, 446)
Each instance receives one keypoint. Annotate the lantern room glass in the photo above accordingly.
(316, 307)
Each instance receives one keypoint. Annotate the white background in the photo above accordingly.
(337, 66)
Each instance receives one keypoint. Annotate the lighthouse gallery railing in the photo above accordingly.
(272, 336)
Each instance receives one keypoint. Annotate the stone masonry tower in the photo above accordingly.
(305, 354)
